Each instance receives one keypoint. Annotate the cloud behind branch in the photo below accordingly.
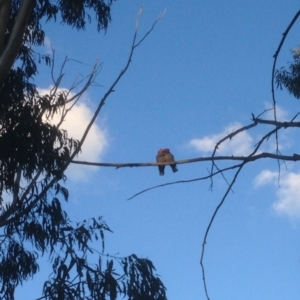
(240, 144)
(95, 144)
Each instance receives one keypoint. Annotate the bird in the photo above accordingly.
(169, 157)
(160, 157)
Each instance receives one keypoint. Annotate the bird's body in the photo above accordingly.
(165, 156)
(160, 157)
(169, 157)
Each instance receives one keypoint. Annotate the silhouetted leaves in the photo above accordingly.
(73, 13)
(141, 283)
(16, 265)
(290, 79)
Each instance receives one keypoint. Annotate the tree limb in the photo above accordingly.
(294, 157)
(209, 226)
(111, 88)
(185, 181)
(12, 48)
(5, 6)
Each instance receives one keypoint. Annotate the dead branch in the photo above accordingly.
(111, 88)
(185, 181)
(210, 224)
(246, 159)
(277, 123)
(251, 157)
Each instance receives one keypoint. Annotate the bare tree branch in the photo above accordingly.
(111, 89)
(213, 157)
(151, 29)
(210, 224)
(246, 159)
(277, 123)
(185, 181)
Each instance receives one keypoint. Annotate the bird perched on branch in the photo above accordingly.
(160, 157)
(169, 157)
(164, 155)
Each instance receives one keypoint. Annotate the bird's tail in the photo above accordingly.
(174, 168)
(161, 170)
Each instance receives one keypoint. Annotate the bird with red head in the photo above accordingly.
(164, 155)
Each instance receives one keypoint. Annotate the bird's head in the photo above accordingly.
(166, 150)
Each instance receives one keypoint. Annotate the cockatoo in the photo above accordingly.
(168, 156)
(160, 157)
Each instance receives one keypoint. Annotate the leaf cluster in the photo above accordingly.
(95, 282)
(28, 142)
(73, 13)
(290, 77)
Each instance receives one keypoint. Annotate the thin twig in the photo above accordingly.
(184, 181)
(112, 87)
(209, 226)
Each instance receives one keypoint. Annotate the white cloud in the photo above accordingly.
(239, 145)
(287, 193)
(265, 177)
(95, 143)
(242, 143)
(281, 114)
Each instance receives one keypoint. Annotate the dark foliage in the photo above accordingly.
(290, 79)
(73, 13)
(137, 282)
(27, 143)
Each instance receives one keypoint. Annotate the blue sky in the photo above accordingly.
(200, 74)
